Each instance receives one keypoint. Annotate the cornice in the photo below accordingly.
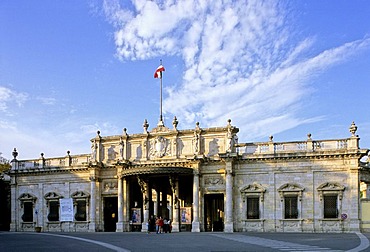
(301, 155)
(49, 170)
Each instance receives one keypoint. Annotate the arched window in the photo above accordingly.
(291, 199)
(81, 205)
(52, 204)
(27, 203)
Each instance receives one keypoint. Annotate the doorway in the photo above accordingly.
(214, 212)
(110, 213)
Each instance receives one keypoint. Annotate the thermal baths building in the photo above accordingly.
(201, 178)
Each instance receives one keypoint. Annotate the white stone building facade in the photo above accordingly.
(202, 179)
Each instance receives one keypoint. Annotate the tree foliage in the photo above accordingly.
(4, 167)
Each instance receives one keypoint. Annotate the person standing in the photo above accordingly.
(165, 225)
(157, 225)
(160, 223)
(169, 225)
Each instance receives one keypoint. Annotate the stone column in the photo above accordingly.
(229, 224)
(119, 225)
(92, 223)
(176, 207)
(195, 226)
(144, 185)
(156, 204)
(126, 205)
(14, 206)
(164, 203)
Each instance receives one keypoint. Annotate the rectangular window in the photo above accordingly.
(53, 211)
(291, 207)
(253, 208)
(27, 212)
(80, 210)
(330, 206)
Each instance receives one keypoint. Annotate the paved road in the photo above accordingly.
(209, 242)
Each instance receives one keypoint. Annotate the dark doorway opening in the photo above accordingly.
(5, 206)
(214, 212)
(110, 213)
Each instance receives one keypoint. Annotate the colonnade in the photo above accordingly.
(123, 222)
(146, 190)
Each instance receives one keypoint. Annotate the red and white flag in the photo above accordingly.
(158, 72)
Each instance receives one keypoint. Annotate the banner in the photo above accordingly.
(185, 213)
(136, 215)
(66, 209)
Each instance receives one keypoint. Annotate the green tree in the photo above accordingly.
(4, 167)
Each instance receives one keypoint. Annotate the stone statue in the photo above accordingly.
(94, 148)
(196, 142)
(122, 149)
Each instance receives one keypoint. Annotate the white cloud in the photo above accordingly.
(9, 96)
(242, 59)
(47, 100)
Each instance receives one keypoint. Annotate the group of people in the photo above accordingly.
(159, 225)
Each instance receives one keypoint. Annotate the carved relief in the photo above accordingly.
(253, 189)
(111, 153)
(80, 194)
(331, 187)
(290, 188)
(214, 181)
(159, 147)
(52, 195)
(111, 185)
(214, 148)
(27, 197)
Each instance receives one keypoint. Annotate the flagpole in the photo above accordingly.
(160, 98)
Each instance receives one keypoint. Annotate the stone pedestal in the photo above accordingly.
(120, 227)
(195, 226)
(92, 227)
(229, 227)
(175, 227)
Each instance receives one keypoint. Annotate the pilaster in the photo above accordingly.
(94, 173)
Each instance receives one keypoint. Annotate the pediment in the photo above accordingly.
(80, 194)
(331, 186)
(27, 197)
(290, 187)
(252, 188)
(52, 195)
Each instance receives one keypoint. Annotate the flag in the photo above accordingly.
(158, 72)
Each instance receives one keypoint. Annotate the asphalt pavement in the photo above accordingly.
(184, 241)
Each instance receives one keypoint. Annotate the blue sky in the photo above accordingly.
(283, 68)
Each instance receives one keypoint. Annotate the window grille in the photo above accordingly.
(253, 208)
(27, 212)
(330, 206)
(81, 205)
(80, 210)
(53, 211)
(291, 207)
